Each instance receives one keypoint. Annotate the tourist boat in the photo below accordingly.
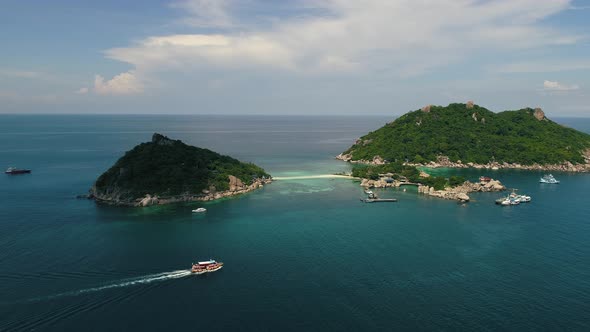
(548, 178)
(513, 199)
(199, 210)
(368, 192)
(13, 170)
(525, 199)
(206, 266)
(485, 179)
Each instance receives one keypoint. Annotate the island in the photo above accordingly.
(166, 171)
(468, 135)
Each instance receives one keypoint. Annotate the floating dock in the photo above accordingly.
(378, 200)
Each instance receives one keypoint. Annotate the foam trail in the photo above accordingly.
(123, 283)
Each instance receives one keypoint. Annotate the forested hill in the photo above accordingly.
(471, 133)
(166, 167)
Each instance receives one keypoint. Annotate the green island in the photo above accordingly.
(166, 171)
(468, 135)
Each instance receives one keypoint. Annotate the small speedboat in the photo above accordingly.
(548, 178)
(14, 170)
(199, 210)
(206, 266)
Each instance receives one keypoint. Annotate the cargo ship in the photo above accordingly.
(13, 170)
(206, 266)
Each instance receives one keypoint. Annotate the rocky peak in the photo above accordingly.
(469, 104)
(539, 114)
(426, 109)
(161, 139)
(235, 183)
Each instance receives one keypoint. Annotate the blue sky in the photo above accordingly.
(333, 57)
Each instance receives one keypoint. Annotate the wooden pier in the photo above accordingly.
(378, 200)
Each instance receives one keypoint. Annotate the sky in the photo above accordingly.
(291, 57)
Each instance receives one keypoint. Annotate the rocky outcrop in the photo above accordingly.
(377, 160)
(148, 200)
(469, 105)
(460, 192)
(237, 190)
(426, 108)
(344, 157)
(235, 184)
(161, 140)
(539, 114)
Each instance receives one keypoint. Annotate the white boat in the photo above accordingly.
(548, 178)
(525, 198)
(199, 210)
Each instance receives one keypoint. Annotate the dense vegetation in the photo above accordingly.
(473, 135)
(399, 171)
(168, 167)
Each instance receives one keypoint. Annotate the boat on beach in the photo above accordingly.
(548, 178)
(206, 266)
(14, 170)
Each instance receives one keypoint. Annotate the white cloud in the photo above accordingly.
(122, 84)
(556, 86)
(82, 91)
(404, 37)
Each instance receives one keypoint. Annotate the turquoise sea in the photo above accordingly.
(300, 255)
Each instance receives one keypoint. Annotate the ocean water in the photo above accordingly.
(299, 254)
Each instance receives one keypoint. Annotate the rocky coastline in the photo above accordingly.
(236, 187)
(444, 162)
(460, 192)
(453, 193)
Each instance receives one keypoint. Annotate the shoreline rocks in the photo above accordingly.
(236, 187)
(460, 192)
(453, 193)
(444, 162)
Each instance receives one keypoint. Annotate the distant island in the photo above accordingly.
(467, 135)
(166, 171)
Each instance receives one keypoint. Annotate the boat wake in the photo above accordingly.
(123, 283)
(46, 315)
